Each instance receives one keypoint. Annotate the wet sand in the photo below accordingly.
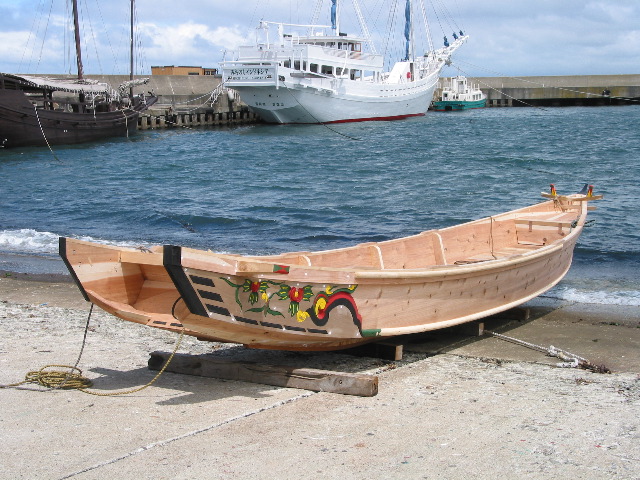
(454, 407)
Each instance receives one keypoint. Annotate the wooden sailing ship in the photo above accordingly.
(334, 299)
(39, 111)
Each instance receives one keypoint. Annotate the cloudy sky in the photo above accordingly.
(508, 37)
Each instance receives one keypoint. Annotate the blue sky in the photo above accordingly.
(507, 37)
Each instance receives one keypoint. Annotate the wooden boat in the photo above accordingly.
(41, 111)
(334, 299)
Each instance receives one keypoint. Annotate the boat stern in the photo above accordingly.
(127, 282)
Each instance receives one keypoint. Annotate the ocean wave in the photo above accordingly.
(602, 297)
(27, 241)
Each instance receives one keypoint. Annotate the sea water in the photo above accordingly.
(263, 189)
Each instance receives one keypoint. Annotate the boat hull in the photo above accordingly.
(294, 103)
(22, 125)
(315, 301)
(452, 105)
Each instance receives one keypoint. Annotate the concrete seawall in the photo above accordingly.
(558, 91)
(186, 100)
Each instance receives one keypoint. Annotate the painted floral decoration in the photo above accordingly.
(295, 295)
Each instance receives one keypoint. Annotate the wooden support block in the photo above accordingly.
(518, 313)
(382, 350)
(473, 329)
(281, 376)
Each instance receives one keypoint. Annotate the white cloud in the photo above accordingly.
(507, 37)
(172, 44)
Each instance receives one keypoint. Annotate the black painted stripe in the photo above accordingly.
(297, 329)
(218, 309)
(246, 320)
(62, 250)
(272, 325)
(315, 330)
(207, 282)
(172, 260)
(210, 295)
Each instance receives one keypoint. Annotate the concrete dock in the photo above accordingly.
(189, 100)
(454, 407)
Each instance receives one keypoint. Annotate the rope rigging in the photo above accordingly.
(569, 360)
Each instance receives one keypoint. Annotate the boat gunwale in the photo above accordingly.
(230, 264)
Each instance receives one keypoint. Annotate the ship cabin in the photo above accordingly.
(315, 55)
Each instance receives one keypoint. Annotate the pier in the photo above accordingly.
(186, 101)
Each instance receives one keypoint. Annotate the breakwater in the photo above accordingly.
(560, 91)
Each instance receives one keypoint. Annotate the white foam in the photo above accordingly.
(613, 297)
(28, 241)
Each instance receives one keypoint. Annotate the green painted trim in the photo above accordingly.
(374, 332)
(459, 105)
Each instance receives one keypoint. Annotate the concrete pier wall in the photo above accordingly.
(183, 96)
(558, 91)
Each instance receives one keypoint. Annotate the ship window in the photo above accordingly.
(296, 65)
(314, 67)
(287, 64)
(327, 69)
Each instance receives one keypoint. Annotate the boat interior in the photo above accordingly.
(482, 240)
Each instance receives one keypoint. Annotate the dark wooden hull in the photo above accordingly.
(21, 125)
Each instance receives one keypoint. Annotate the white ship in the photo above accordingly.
(325, 76)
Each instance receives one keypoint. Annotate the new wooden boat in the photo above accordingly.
(334, 299)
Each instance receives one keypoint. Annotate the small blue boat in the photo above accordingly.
(457, 95)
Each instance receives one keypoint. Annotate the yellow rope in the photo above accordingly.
(72, 379)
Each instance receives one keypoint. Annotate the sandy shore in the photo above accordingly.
(454, 407)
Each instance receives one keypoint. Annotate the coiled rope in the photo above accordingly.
(72, 379)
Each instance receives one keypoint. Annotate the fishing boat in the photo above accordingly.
(41, 111)
(326, 76)
(458, 95)
(335, 299)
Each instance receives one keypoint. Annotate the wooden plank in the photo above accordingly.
(144, 258)
(277, 375)
(543, 223)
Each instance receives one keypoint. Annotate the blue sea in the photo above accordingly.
(263, 189)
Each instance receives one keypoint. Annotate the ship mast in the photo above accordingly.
(76, 27)
(131, 51)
